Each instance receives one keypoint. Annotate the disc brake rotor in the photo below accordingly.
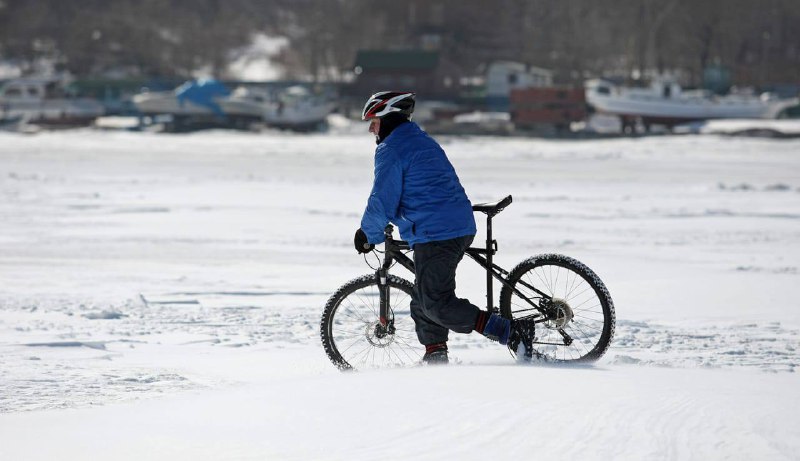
(377, 335)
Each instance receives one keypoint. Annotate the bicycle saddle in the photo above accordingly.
(492, 208)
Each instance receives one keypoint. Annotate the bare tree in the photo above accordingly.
(757, 41)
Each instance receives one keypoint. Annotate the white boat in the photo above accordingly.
(45, 101)
(668, 104)
(293, 108)
(298, 109)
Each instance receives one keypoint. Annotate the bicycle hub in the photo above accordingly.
(559, 314)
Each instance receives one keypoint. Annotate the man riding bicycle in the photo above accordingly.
(417, 189)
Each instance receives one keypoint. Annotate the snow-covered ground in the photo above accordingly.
(749, 127)
(160, 298)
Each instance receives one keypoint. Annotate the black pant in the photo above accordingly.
(435, 307)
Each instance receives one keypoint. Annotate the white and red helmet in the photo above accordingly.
(387, 102)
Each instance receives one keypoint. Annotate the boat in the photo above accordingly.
(297, 108)
(666, 103)
(45, 101)
(199, 104)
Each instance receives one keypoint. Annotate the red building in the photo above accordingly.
(549, 106)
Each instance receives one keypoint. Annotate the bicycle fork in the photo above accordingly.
(382, 276)
(386, 319)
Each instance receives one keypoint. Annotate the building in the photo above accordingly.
(421, 71)
(538, 108)
(502, 77)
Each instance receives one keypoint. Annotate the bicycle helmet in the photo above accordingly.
(388, 102)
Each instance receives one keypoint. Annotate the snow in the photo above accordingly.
(254, 62)
(482, 117)
(782, 127)
(785, 127)
(9, 70)
(160, 298)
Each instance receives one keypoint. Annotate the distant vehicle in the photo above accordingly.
(45, 101)
(668, 104)
(208, 103)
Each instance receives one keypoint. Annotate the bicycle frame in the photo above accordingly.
(483, 256)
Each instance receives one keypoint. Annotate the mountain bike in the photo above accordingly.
(367, 322)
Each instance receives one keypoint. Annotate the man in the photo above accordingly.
(417, 189)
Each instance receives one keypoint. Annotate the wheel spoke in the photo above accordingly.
(543, 282)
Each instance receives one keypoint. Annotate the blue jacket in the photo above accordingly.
(417, 189)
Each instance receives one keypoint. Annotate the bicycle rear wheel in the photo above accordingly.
(351, 332)
(578, 320)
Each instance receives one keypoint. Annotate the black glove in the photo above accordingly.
(361, 243)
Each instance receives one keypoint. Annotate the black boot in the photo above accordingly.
(436, 354)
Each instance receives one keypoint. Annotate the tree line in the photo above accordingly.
(758, 41)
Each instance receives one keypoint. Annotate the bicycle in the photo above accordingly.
(366, 323)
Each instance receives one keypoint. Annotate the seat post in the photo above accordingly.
(489, 253)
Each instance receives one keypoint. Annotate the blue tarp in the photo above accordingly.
(202, 92)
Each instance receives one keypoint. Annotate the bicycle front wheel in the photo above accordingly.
(352, 334)
(575, 320)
